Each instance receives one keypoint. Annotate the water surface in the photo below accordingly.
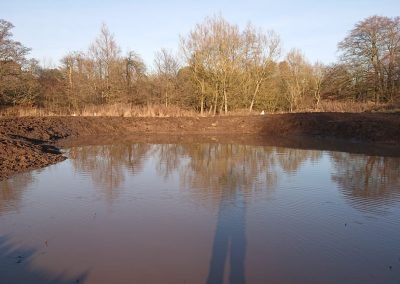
(203, 213)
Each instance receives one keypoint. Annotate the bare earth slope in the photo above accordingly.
(26, 143)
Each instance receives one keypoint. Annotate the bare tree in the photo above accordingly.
(195, 50)
(167, 67)
(261, 49)
(295, 74)
(10, 50)
(17, 74)
(214, 51)
(318, 77)
(134, 71)
(339, 83)
(106, 56)
(373, 47)
(225, 68)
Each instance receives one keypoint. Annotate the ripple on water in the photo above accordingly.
(170, 213)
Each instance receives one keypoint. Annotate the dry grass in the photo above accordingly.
(123, 110)
(120, 110)
(242, 112)
(330, 106)
(135, 111)
(335, 106)
(26, 111)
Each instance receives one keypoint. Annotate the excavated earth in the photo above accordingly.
(32, 142)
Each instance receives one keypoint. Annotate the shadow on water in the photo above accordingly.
(229, 240)
(16, 268)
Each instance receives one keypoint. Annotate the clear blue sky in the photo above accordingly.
(54, 27)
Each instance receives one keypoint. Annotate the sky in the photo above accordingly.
(52, 28)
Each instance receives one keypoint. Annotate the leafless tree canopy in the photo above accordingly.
(372, 54)
(220, 67)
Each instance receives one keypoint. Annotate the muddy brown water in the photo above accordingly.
(203, 213)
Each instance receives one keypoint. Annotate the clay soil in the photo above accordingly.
(32, 142)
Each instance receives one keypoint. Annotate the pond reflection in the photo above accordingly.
(212, 166)
(200, 166)
(107, 164)
(368, 182)
(205, 213)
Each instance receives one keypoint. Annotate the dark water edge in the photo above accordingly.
(296, 142)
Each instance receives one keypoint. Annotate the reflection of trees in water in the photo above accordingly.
(218, 168)
(368, 182)
(12, 190)
(106, 164)
(169, 157)
(206, 167)
(221, 167)
(291, 159)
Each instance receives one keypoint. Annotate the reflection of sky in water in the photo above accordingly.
(175, 213)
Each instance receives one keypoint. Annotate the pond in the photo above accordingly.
(203, 213)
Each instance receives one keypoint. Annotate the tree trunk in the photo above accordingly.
(202, 100)
(254, 96)
(216, 99)
(202, 105)
(70, 76)
(317, 98)
(225, 102)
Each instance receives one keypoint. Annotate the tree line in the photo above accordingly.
(219, 68)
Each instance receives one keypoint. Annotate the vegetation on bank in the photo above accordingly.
(220, 69)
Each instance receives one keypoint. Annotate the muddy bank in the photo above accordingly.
(26, 143)
(18, 154)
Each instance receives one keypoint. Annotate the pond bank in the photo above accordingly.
(27, 143)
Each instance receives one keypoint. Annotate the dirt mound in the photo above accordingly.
(25, 142)
(18, 155)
